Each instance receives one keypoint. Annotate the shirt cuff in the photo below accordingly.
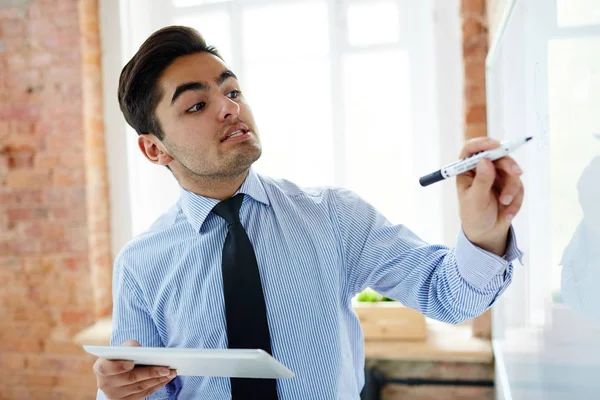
(478, 266)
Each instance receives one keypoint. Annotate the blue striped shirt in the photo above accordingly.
(316, 248)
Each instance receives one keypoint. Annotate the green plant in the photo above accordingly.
(370, 296)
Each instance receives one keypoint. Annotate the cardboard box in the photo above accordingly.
(390, 320)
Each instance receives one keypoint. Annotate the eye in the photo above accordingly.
(196, 107)
(234, 94)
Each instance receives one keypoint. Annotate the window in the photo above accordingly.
(572, 13)
(344, 92)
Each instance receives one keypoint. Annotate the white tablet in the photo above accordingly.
(234, 363)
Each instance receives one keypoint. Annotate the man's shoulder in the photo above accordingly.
(166, 231)
(347, 204)
(286, 188)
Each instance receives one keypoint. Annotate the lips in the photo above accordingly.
(234, 131)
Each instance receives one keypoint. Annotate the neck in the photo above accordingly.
(214, 187)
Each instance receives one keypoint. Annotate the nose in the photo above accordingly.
(229, 109)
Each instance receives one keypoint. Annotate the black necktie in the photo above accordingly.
(245, 310)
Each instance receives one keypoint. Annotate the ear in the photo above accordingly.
(153, 149)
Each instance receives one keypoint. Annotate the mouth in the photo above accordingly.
(236, 133)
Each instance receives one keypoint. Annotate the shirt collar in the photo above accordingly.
(196, 208)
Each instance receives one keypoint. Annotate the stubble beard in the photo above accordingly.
(229, 166)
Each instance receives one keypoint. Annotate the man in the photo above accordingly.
(242, 255)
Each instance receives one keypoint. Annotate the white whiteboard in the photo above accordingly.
(543, 79)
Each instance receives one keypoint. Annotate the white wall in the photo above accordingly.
(114, 124)
(449, 72)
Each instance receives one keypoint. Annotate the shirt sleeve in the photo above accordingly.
(131, 319)
(447, 284)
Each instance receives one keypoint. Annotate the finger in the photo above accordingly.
(509, 190)
(476, 145)
(105, 368)
(473, 146)
(509, 213)
(146, 393)
(142, 386)
(114, 384)
(485, 175)
(139, 374)
(508, 165)
(131, 343)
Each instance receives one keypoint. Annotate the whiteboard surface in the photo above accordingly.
(543, 79)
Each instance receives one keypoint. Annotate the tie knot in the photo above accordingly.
(229, 209)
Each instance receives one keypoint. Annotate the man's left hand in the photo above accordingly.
(489, 197)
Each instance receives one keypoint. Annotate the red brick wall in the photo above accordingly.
(52, 170)
(98, 194)
(475, 47)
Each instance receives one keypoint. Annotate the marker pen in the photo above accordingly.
(469, 163)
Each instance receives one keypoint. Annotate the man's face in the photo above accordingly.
(208, 127)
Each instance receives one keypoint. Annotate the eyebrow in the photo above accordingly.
(200, 85)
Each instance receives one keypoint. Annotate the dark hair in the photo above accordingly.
(139, 93)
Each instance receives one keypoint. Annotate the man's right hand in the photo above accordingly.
(122, 380)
